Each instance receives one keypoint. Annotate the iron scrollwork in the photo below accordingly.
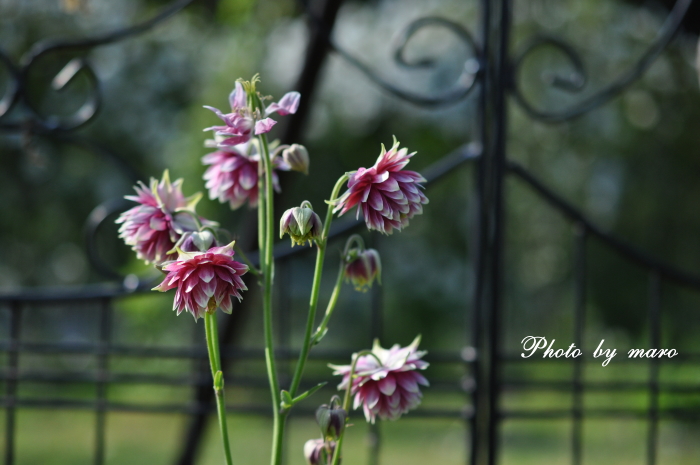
(17, 92)
(464, 84)
(576, 81)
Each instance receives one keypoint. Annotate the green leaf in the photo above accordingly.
(319, 335)
(303, 396)
(287, 400)
(219, 380)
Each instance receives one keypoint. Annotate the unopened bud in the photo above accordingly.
(297, 158)
(318, 451)
(362, 267)
(331, 420)
(302, 224)
(198, 241)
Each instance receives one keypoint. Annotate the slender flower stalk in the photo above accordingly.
(323, 327)
(212, 332)
(315, 287)
(268, 273)
(346, 402)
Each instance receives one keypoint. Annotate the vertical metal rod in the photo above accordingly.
(497, 87)
(11, 385)
(478, 420)
(102, 379)
(655, 336)
(580, 236)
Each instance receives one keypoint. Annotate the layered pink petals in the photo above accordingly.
(233, 177)
(288, 104)
(390, 388)
(204, 280)
(153, 227)
(238, 129)
(243, 122)
(264, 125)
(385, 194)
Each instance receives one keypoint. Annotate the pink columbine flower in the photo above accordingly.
(243, 122)
(390, 388)
(232, 176)
(154, 226)
(204, 280)
(387, 195)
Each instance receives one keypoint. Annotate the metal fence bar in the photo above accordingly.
(655, 339)
(12, 380)
(579, 327)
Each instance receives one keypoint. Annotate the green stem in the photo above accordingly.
(212, 332)
(315, 287)
(346, 401)
(331, 305)
(268, 265)
(246, 260)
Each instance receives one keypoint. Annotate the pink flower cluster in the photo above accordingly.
(242, 122)
(204, 280)
(232, 175)
(385, 194)
(154, 226)
(386, 383)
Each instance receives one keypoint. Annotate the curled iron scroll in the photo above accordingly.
(577, 80)
(97, 218)
(17, 87)
(463, 85)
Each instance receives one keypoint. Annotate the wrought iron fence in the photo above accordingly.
(492, 73)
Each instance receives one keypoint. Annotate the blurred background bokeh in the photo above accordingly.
(632, 166)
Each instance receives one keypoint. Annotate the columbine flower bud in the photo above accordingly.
(297, 158)
(318, 452)
(362, 267)
(302, 224)
(331, 420)
(198, 241)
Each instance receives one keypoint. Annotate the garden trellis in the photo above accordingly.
(491, 74)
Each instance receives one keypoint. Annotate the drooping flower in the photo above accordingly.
(198, 241)
(362, 267)
(390, 388)
(297, 158)
(331, 419)
(232, 176)
(154, 226)
(318, 451)
(386, 194)
(302, 224)
(243, 122)
(204, 280)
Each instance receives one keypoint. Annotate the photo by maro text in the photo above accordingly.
(533, 344)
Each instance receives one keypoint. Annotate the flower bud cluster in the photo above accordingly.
(232, 173)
